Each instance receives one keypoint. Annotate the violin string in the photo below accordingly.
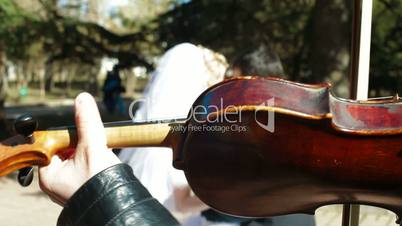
(125, 123)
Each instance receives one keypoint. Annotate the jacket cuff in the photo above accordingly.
(114, 197)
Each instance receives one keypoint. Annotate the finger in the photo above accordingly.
(46, 173)
(91, 132)
(47, 176)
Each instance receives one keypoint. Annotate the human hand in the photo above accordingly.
(63, 177)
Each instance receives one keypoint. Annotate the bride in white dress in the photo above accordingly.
(182, 74)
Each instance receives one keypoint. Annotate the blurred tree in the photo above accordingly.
(328, 38)
(15, 40)
(85, 41)
(312, 37)
(55, 32)
(386, 46)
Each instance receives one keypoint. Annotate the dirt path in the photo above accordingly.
(29, 206)
(25, 206)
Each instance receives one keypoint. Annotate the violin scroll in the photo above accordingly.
(25, 125)
(16, 154)
(19, 152)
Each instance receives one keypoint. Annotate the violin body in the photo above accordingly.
(308, 161)
(260, 147)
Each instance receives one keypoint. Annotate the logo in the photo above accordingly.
(229, 119)
(270, 126)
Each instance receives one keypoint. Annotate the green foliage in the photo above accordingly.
(25, 35)
(233, 26)
(17, 30)
(386, 57)
(311, 37)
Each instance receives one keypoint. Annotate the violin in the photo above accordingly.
(260, 147)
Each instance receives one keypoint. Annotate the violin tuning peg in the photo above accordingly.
(25, 176)
(25, 125)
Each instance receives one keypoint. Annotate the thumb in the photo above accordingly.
(90, 130)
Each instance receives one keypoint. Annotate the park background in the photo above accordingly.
(50, 50)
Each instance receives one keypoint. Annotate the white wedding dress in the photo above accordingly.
(182, 74)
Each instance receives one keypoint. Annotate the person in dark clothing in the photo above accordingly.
(112, 89)
(93, 186)
(257, 61)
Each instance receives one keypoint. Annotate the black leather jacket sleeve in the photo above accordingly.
(114, 197)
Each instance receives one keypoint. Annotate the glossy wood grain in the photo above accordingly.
(307, 162)
(303, 165)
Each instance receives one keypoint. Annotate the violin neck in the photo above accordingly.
(124, 134)
(159, 134)
(16, 153)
